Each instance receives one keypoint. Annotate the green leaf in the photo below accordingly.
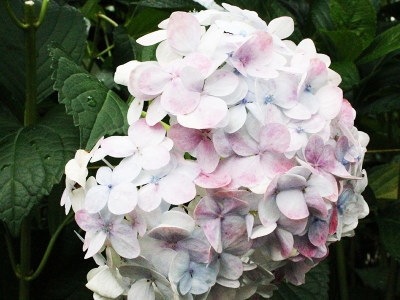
(348, 45)
(384, 104)
(384, 180)
(32, 160)
(315, 288)
(383, 44)
(126, 49)
(349, 73)
(146, 21)
(173, 4)
(320, 15)
(389, 229)
(358, 16)
(96, 110)
(63, 26)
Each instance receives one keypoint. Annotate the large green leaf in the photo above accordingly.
(315, 288)
(63, 26)
(347, 43)
(96, 110)
(349, 73)
(384, 180)
(358, 16)
(146, 21)
(32, 160)
(383, 44)
(384, 104)
(320, 14)
(389, 229)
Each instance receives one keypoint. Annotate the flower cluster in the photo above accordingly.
(258, 172)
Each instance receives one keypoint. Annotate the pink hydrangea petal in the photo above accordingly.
(183, 32)
(263, 230)
(192, 79)
(303, 245)
(242, 143)
(207, 209)
(149, 197)
(275, 138)
(330, 101)
(298, 112)
(255, 51)
(286, 240)
(134, 78)
(141, 134)
(268, 211)
(206, 155)
(124, 241)
(165, 54)
(155, 112)
(96, 198)
(86, 221)
(176, 99)
(274, 163)
(212, 230)
(135, 110)
(316, 205)
(141, 289)
(96, 243)
(245, 171)
(104, 175)
(292, 204)
(122, 199)
(296, 227)
(152, 38)
(221, 83)
(221, 143)
(237, 118)
(318, 232)
(213, 180)
(314, 148)
(118, 146)
(231, 267)
(153, 80)
(154, 157)
(282, 27)
(208, 114)
(185, 139)
(201, 62)
(177, 189)
(347, 113)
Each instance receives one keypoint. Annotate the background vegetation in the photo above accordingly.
(57, 94)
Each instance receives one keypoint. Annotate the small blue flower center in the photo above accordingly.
(244, 101)
(155, 179)
(109, 186)
(235, 70)
(107, 228)
(268, 99)
(299, 130)
(308, 88)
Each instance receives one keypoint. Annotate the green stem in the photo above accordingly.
(95, 41)
(10, 250)
(49, 249)
(30, 53)
(25, 259)
(341, 265)
(29, 119)
(43, 10)
(108, 19)
(105, 50)
(383, 150)
(12, 15)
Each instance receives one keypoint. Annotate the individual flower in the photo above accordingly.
(105, 227)
(115, 189)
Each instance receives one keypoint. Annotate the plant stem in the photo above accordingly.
(30, 118)
(341, 265)
(108, 19)
(105, 50)
(95, 41)
(25, 259)
(12, 15)
(30, 49)
(10, 250)
(49, 248)
(43, 10)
